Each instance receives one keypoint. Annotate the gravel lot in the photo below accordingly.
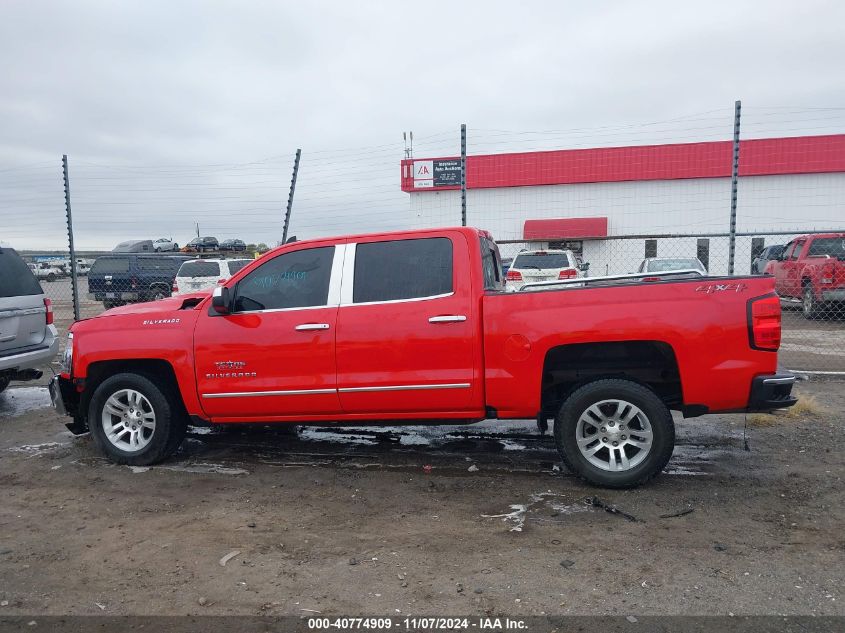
(352, 521)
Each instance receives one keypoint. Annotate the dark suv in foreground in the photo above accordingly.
(118, 279)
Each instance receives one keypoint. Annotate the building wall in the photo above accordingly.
(799, 203)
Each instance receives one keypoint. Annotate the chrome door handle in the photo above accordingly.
(305, 327)
(447, 318)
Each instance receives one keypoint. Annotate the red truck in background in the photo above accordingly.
(812, 270)
(415, 326)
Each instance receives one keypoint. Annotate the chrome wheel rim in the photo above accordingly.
(614, 435)
(128, 420)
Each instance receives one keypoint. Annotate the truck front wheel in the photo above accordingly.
(615, 433)
(134, 421)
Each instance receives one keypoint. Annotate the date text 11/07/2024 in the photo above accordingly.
(417, 623)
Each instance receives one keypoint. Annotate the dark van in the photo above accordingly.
(119, 279)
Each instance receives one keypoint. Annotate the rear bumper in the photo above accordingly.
(773, 391)
(837, 294)
(41, 355)
(117, 296)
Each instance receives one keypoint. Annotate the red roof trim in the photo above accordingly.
(758, 157)
(565, 228)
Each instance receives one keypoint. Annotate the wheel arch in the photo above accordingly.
(650, 363)
(157, 371)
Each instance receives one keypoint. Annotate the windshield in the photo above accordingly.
(541, 261)
(657, 265)
(833, 246)
(199, 269)
(110, 265)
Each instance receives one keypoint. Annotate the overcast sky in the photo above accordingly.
(180, 112)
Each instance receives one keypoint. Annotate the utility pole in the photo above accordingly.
(734, 188)
(73, 284)
(290, 196)
(463, 174)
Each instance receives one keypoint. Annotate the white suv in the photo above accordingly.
(196, 275)
(547, 265)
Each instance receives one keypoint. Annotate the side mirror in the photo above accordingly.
(584, 267)
(221, 300)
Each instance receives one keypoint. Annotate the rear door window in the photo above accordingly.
(16, 279)
(402, 269)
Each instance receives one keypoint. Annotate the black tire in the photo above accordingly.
(156, 294)
(51, 277)
(4, 382)
(655, 411)
(157, 249)
(810, 308)
(170, 421)
(175, 247)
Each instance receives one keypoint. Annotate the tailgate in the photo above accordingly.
(23, 322)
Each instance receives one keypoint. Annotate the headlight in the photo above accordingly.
(67, 357)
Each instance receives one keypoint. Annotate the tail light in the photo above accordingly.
(48, 305)
(650, 279)
(827, 272)
(569, 273)
(514, 275)
(764, 323)
(175, 288)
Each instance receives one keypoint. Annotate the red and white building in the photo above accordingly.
(587, 199)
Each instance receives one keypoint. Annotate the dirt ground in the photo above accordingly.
(353, 521)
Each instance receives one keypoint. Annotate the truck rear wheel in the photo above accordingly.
(134, 421)
(811, 308)
(615, 433)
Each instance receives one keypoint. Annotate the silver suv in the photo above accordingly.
(27, 335)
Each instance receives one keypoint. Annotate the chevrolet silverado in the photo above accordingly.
(415, 326)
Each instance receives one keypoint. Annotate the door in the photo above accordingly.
(407, 328)
(273, 355)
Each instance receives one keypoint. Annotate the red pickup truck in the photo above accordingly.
(812, 269)
(416, 326)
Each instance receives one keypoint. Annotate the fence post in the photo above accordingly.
(734, 187)
(463, 174)
(73, 284)
(290, 196)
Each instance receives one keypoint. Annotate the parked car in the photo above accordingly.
(82, 267)
(768, 254)
(422, 332)
(543, 265)
(196, 275)
(130, 278)
(163, 244)
(668, 264)
(46, 271)
(134, 246)
(28, 338)
(812, 269)
(232, 245)
(202, 244)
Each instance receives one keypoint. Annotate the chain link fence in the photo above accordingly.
(220, 215)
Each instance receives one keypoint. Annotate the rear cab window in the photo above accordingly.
(542, 260)
(110, 266)
(199, 269)
(16, 279)
(402, 269)
(491, 265)
(831, 246)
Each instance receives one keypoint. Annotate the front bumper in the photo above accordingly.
(66, 401)
(770, 392)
